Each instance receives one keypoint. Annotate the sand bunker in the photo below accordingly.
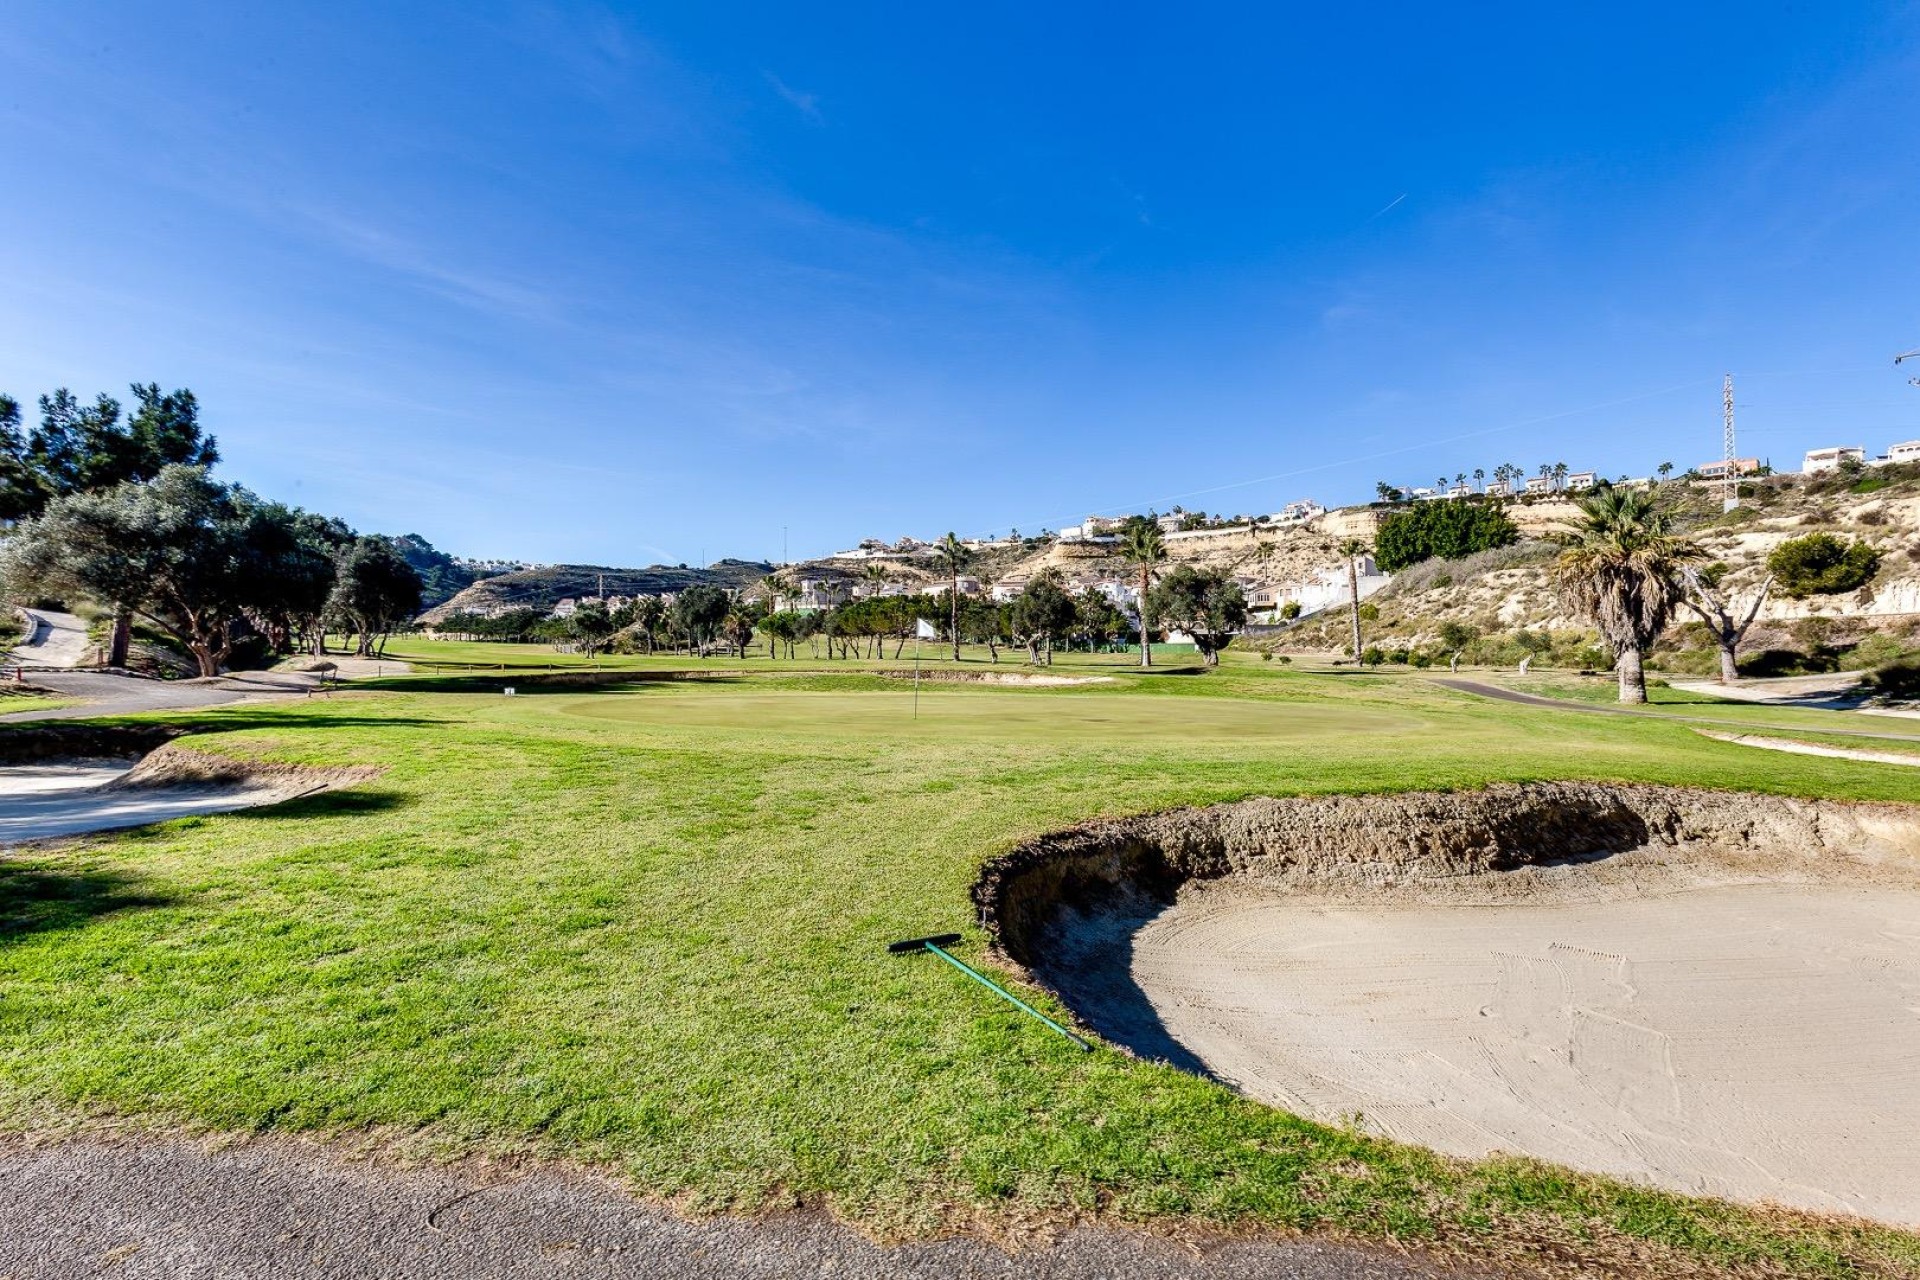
(53, 798)
(1711, 993)
(1016, 679)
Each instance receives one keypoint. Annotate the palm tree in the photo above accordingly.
(876, 575)
(1560, 470)
(1480, 477)
(953, 558)
(771, 589)
(1142, 546)
(1620, 569)
(1351, 550)
(1665, 469)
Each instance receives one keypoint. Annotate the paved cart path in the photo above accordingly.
(165, 1208)
(56, 640)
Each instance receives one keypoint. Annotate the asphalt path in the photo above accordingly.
(57, 640)
(167, 1208)
(111, 694)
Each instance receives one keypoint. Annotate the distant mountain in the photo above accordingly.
(543, 588)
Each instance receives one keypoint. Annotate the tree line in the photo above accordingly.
(121, 508)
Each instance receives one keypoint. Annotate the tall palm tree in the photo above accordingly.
(1142, 546)
(1480, 476)
(771, 589)
(876, 575)
(1351, 550)
(1620, 569)
(953, 557)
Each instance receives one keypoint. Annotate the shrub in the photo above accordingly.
(1447, 530)
(1788, 662)
(1290, 610)
(1369, 612)
(1821, 564)
(1899, 680)
(1374, 655)
(1456, 635)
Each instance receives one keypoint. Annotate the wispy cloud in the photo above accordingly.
(807, 104)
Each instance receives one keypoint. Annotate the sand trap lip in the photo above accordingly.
(1796, 747)
(1709, 992)
(52, 799)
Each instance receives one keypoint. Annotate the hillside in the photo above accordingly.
(1505, 599)
(545, 587)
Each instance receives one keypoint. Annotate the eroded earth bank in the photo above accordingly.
(1710, 992)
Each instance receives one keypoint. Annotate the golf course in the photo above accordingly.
(636, 919)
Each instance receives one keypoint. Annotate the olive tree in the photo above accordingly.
(1207, 604)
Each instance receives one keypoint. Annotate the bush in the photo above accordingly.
(1374, 655)
(1369, 612)
(1821, 564)
(1290, 610)
(1456, 635)
(1788, 662)
(1447, 530)
(1900, 680)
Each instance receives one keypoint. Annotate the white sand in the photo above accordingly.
(1759, 1042)
(44, 801)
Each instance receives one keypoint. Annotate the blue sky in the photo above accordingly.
(623, 283)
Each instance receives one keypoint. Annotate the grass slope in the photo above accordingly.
(646, 926)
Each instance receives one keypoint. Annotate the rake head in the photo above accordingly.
(921, 944)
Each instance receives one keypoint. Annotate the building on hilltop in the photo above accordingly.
(1582, 480)
(1906, 451)
(1833, 457)
(1717, 469)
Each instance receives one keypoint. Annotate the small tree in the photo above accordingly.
(1040, 613)
(1665, 469)
(1620, 570)
(375, 592)
(1142, 546)
(698, 612)
(1207, 604)
(953, 557)
(1715, 607)
(1351, 550)
(591, 627)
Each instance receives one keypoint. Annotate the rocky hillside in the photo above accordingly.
(1505, 600)
(545, 587)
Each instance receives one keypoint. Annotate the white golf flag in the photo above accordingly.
(925, 630)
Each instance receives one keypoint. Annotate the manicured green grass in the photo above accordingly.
(646, 926)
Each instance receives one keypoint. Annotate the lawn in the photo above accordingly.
(645, 926)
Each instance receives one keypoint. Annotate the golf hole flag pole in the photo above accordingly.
(922, 630)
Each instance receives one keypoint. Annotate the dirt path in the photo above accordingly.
(57, 640)
(164, 1209)
(1561, 704)
(1811, 748)
(1837, 691)
(1750, 1041)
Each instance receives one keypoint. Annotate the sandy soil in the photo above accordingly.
(1754, 1041)
(1022, 679)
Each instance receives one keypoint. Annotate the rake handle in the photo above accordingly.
(1007, 995)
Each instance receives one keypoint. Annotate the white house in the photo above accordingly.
(1582, 480)
(1907, 451)
(1539, 484)
(566, 608)
(1833, 458)
(1298, 512)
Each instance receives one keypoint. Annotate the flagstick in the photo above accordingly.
(916, 673)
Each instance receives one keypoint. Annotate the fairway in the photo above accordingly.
(1084, 717)
(645, 927)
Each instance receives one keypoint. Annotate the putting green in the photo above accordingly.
(1088, 718)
